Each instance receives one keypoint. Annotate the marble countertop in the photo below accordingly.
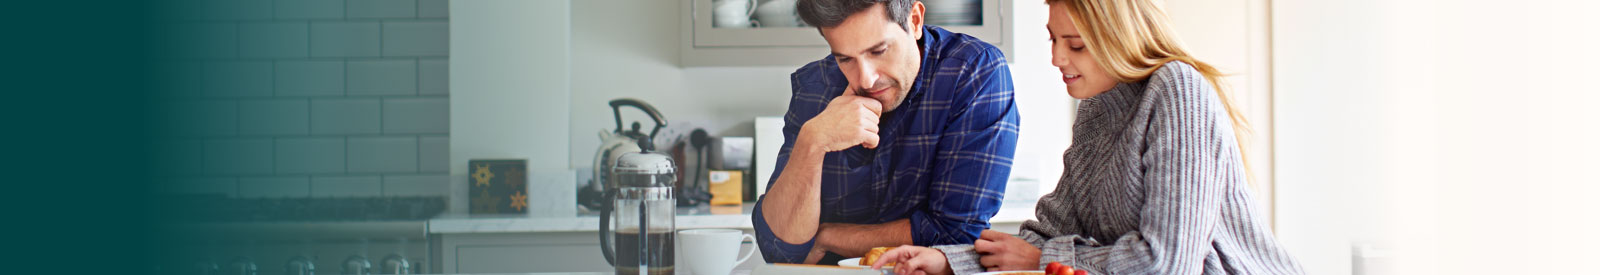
(688, 218)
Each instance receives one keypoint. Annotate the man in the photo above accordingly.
(904, 135)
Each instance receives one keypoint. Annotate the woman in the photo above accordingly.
(1154, 182)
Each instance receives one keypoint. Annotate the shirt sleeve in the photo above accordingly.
(1187, 164)
(773, 249)
(973, 159)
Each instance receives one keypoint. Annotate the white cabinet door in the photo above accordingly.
(521, 253)
(529, 258)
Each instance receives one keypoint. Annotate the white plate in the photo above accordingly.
(1027, 272)
(851, 262)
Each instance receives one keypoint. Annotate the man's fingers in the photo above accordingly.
(871, 140)
(871, 104)
(993, 235)
(986, 246)
(871, 128)
(989, 262)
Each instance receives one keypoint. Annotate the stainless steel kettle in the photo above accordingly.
(612, 145)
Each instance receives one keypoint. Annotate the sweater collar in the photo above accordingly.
(1120, 99)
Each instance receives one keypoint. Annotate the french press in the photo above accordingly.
(643, 208)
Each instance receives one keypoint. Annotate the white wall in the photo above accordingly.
(1456, 136)
(510, 80)
(1041, 100)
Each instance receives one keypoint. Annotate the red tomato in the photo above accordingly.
(1062, 270)
(1081, 272)
(1051, 268)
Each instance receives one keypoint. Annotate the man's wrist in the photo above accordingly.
(804, 145)
(822, 237)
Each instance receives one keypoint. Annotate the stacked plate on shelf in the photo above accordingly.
(954, 12)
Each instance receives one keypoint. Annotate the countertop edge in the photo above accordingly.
(463, 225)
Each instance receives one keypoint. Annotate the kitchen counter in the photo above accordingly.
(688, 218)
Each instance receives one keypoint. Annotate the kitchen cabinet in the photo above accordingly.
(521, 252)
(711, 38)
(469, 244)
(509, 244)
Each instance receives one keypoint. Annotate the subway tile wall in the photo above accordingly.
(305, 98)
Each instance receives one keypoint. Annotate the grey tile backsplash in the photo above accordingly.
(305, 99)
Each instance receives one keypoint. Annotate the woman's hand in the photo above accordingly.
(914, 260)
(1002, 252)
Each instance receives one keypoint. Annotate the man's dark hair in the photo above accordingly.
(831, 13)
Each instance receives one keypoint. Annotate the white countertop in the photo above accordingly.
(460, 224)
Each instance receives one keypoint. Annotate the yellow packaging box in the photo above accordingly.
(727, 187)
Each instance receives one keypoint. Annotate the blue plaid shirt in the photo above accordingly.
(944, 155)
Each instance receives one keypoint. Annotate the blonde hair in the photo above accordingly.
(1132, 39)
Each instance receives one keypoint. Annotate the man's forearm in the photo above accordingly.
(793, 207)
(854, 240)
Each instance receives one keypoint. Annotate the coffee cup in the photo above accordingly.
(713, 251)
(732, 13)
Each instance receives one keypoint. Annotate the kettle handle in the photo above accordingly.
(616, 111)
(605, 226)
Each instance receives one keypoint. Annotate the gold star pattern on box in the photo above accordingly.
(512, 174)
(519, 201)
(485, 203)
(481, 176)
(498, 186)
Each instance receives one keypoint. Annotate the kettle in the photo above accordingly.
(643, 207)
(615, 143)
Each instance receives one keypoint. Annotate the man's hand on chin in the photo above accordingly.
(848, 121)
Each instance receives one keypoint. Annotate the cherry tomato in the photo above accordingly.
(1067, 270)
(1051, 268)
(1081, 272)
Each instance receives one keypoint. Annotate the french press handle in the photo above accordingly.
(605, 225)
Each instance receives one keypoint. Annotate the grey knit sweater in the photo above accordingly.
(1153, 184)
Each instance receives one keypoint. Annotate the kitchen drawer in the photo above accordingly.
(529, 258)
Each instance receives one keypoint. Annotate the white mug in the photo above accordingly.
(732, 13)
(713, 251)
